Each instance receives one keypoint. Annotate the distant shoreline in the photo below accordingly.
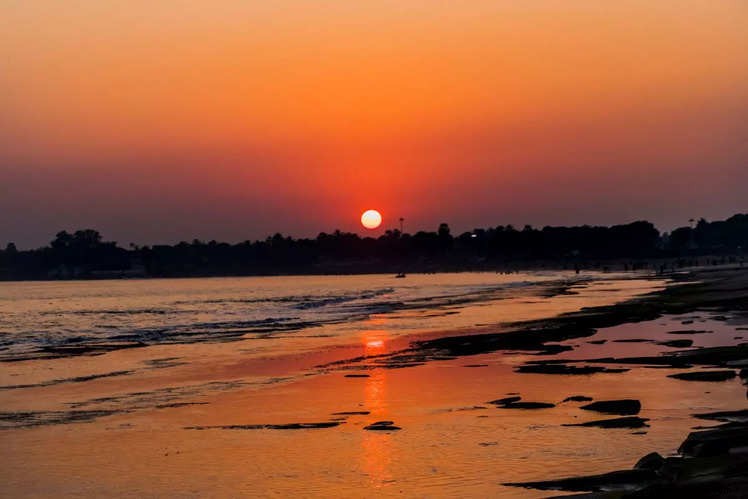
(84, 254)
(659, 267)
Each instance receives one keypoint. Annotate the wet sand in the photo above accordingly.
(196, 420)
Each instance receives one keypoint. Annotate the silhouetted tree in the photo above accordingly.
(84, 253)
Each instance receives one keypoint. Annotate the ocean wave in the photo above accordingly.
(232, 320)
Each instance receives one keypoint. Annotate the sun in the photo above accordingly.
(371, 219)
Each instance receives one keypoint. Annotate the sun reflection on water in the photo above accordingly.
(375, 345)
(376, 447)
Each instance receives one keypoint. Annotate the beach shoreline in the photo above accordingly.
(435, 388)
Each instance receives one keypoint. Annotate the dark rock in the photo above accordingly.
(351, 413)
(382, 426)
(533, 339)
(565, 369)
(555, 349)
(712, 356)
(505, 401)
(625, 422)
(577, 398)
(677, 343)
(528, 405)
(690, 331)
(514, 403)
(652, 461)
(704, 375)
(632, 340)
(617, 480)
(713, 464)
(623, 407)
(357, 376)
(726, 416)
(720, 440)
(288, 426)
(597, 342)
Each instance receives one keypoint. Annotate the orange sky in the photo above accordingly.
(160, 121)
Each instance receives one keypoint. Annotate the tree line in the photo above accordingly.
(84, 254)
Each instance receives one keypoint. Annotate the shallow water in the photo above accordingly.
(227, 352)
(38, 315)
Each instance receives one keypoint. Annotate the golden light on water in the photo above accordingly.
(377, 448)
(374, 340)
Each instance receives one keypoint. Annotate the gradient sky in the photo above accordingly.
(155, 122)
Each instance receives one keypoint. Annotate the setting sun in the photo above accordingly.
(371, 219)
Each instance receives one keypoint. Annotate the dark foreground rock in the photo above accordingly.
(726, 416)
(615, 480)
(528, 405)
(652, 461)
(711, 463)
(676, 343)
(730, 438)
(712, 356)
(691, 331)
(287, 426)
(623, 407)
(505, 400)
(705, 375)
(577, 398)
(565, 369)
(625, 422)
(514, 403)
(382, 426)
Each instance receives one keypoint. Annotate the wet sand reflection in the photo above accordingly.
(376, 447)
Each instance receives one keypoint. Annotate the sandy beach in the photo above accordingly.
(442, 396)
